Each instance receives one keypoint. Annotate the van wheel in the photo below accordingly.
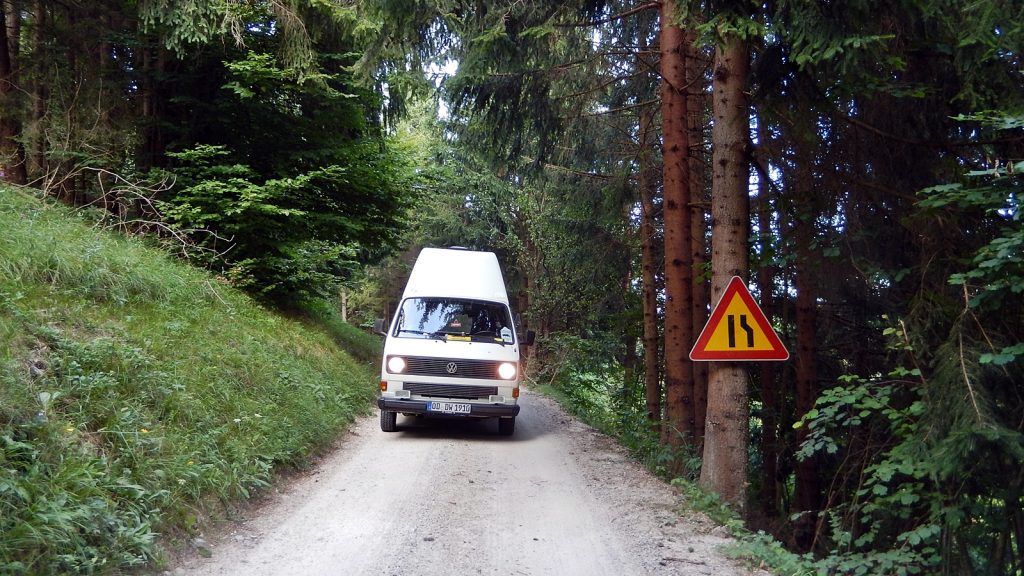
(388, 421)
(506, 426)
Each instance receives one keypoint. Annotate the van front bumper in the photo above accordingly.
(420, 407)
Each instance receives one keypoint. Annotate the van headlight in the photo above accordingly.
(396, 364)
(507, 370)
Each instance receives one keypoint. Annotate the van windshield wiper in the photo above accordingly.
(488, 337)
(435, 334)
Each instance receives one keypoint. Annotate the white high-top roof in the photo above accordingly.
(456, 273)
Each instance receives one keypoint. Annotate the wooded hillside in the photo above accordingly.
(858, 163)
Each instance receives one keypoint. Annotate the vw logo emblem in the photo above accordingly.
(451, 368)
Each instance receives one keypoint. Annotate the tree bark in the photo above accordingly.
(678, 428)
(806, 486)
(724, 469)
(40, 96)
(530, 270)
(630, 360)
(695, 123)
(770, 404)
(652, 377)
(12, 153)
(13, 25)
(153, 68)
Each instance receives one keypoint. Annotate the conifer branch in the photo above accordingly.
(613, 17)
(967, 378)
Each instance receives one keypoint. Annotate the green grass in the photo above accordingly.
(135, 392)
(364, 347)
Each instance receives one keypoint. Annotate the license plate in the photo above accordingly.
(449, 407)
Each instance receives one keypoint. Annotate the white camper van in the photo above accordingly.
(452, 347)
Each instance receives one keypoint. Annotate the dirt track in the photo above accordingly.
(453, 497)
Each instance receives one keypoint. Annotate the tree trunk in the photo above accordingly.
(806, 488)
(530, 266)
(724, 469)
(770, 403)
(153, 68)
(652, 377)
(630, 360)
(695, 123)
(12, 153)
(12, 23)
(40, 97)
(678, 428)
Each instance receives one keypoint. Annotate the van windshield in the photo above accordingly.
(454, 319)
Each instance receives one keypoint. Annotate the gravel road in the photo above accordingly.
(453, 497)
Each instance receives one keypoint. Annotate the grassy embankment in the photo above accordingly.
(135, 392)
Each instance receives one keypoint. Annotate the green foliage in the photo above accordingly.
(286, 239)
(998, 266)
(183, 23)
(80, 258)
(759, 547)
(131, 402)
(361, 344)
(773, 554)
(850, 407)
(63, 512)
(258, 75)
(583, 372)
(881, 531)
(466, 207)
(711, 505)
(842, 37)
(282, 179)
(940, 459)
(578, 251)
(994, 280)
(582, 375)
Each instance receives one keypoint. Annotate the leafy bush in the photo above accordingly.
(587, 381)
(586, 378)
(285, 239)
(886, 528)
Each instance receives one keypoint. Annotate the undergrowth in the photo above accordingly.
(581, 375)
(363, 347)
(592, 390)
(137, 394)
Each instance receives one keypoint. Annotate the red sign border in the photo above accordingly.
(737, 287)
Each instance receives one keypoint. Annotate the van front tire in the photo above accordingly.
(388, 421)
(506, 426)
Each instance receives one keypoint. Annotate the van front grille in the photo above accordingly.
(450, 391)
(453, 367)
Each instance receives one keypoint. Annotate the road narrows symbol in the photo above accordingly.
(731, 326)
(738, 330)
(746, 328)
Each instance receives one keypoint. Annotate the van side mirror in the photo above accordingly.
(531, 336)
(379, 327)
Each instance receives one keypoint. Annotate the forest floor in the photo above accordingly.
(443, 497)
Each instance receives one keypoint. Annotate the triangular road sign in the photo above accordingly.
(738, 330)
